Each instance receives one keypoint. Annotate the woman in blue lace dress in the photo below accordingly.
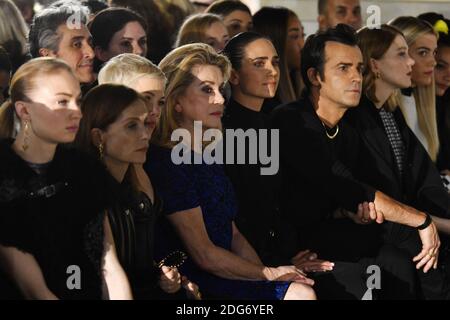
(198, 199)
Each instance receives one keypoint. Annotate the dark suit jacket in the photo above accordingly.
(317, 178)
(420, 186)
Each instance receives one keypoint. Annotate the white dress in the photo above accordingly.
(410, 114)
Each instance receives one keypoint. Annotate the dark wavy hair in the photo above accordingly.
(159, 29)
(313, 53)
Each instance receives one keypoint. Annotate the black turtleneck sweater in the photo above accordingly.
(257, 195)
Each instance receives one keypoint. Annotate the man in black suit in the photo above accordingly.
(318, 154)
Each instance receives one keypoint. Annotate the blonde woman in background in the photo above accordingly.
(419, 104)
(13, 33)
(203, 28)
(442, 79)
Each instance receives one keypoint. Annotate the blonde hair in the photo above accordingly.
(374, 43)
(424, 96)
(177, 66)
(194, 28)
(12, 26)
(127, 68)
(23, 82)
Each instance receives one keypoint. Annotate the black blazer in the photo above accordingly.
(420, 186)
(316, 171)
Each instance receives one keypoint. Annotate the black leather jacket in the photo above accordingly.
(132, 221)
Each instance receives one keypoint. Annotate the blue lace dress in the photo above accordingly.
(188, 186)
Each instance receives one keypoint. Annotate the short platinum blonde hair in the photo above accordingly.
(127, 68)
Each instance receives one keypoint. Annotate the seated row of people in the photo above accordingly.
(360, 176)
(118, 29)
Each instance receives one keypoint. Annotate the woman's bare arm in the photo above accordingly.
(24, 270)
(114, 276)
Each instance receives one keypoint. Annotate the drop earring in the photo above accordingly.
(100, 150)
(25, 136)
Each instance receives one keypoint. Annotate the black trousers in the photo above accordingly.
(432, 285)
(398, 275)
(354, 248)
(8, 290)
(352, 280)
(347, 281)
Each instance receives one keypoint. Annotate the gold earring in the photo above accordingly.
(25, 136)
(378, 75)
(100, 150)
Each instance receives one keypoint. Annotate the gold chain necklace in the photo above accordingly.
(328, 135)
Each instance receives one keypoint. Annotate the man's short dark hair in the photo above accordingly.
(43, 30)
(313, 53)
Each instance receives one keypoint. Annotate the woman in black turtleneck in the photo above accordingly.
(257, 61)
